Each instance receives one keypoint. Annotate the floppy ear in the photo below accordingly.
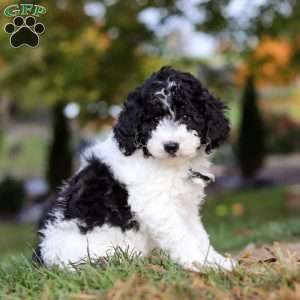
(216, 124)
(127, 128)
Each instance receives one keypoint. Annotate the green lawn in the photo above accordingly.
(232, 219)
(29, 161)
(16, 239)
(157, 277)
(258, 216)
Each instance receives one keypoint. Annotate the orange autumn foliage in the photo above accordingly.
(271, 62)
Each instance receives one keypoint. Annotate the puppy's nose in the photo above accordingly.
(171, 147)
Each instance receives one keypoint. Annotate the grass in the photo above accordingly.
(129, 277)
(232, 219)
(16, 239)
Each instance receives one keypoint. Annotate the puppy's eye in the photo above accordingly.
(186, 118)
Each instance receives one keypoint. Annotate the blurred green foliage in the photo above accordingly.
(283, 135)
(87, 59)
(82, 58)
(29, 161)
(78, 58)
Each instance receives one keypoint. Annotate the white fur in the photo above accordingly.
(165, 202)
(164, 96)
(65, 244)
(169, 130)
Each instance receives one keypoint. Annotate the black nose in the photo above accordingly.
(171, 147)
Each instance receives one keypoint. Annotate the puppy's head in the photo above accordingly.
(171, 116)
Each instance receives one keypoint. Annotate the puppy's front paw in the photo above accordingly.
(221, 262)
(193, 266)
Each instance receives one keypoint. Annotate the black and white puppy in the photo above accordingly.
(141, 189)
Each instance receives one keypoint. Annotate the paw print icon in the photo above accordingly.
(24, 31)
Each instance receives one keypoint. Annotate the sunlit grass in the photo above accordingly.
(232, 219)
(126, 276)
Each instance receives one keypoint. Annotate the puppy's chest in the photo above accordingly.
(176, 185)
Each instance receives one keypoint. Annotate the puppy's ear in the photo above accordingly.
(216, 124)
(127, 128)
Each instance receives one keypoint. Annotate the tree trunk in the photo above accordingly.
(251, 141)
(60, 156)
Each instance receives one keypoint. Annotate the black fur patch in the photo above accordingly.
(197, 174)
(95, 197)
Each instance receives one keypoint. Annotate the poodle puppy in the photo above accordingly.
(142, 188)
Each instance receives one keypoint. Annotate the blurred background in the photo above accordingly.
(58, 98)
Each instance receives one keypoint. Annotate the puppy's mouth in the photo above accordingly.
(174, 156)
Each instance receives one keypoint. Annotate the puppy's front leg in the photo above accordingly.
(170, 232)
(213, 258)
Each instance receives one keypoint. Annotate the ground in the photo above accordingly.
(234, 221)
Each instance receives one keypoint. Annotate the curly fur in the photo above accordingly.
(142, 188)
(191, 104)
